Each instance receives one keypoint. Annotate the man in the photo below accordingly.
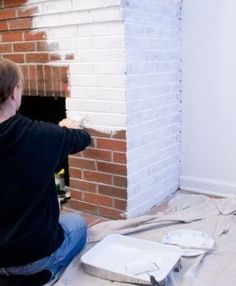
(33, 239)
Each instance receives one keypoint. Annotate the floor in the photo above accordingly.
(92, 219)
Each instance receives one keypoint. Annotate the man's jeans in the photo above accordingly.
(75, 231)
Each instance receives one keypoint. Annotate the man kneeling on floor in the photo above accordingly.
(35, 242)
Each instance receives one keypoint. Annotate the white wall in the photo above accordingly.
(153, 40)
(209, 96)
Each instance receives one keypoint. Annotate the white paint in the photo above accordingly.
(125, 76)
(209, 89)
(153, 57)
(93, 32)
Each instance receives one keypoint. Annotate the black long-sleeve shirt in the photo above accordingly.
(30, 151)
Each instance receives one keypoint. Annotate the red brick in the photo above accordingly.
(37, 58)
(26, 90)
(40, 80)
(33, 71)
(75, 173)
(44, 46)
(5, 48)
(18, 58)
(97, 154)
(12, 36)
(54, 57)
(64, 74)
(20, 24)
(25, 71)
(33, 79)
(75, 194)
(39, 69)
(64, 80)
(56, 75)
(110, 144)
(119, 134)
(14, 3)
(96, 133)
(119, 157)
(70, 57)
(33, 87)
(34, 36)
(7, 13)
(120, 181)
(111, 168)
(112, 191)
(48, 79)
(24, 47)
(98, 199)
(83, 185)
(97, 177)
(110, 213)
(26, 87)
(120, 204)
(3, 26)
(82, 163)
(47, 72)
(82, 206)
(26, 12)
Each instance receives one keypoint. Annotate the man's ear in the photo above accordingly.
(14, 93)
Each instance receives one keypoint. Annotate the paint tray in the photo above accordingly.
(132, 260)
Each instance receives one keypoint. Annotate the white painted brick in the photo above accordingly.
(101, 29)
(112, 42)
(101, 56)
(151, 79)
(98, 81)
(133, 42)
(84, 43)
(96, 106)
(51, 7)
(153, 100)
(97, 93)
(107, 14)
(108, 42)
(88, 106)
(81, 68)
(92, 4)
(61, 33)
(109, 68)
(100, 120)
(75, 18)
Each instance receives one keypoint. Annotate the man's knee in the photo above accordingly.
(71, 222)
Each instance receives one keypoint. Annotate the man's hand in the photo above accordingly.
(69, 123)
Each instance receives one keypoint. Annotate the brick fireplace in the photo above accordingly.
(117, 64)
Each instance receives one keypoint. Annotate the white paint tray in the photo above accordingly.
(131, 260)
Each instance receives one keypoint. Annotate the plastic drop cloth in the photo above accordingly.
(216, 217)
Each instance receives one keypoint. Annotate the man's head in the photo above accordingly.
(11, 81)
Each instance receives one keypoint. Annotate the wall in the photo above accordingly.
(20, 42)
(88, 36)
(121, 79)
(153, 62)
(209, 89)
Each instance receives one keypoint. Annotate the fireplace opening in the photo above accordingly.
(48, 109)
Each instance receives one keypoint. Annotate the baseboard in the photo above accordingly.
(210, 187)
